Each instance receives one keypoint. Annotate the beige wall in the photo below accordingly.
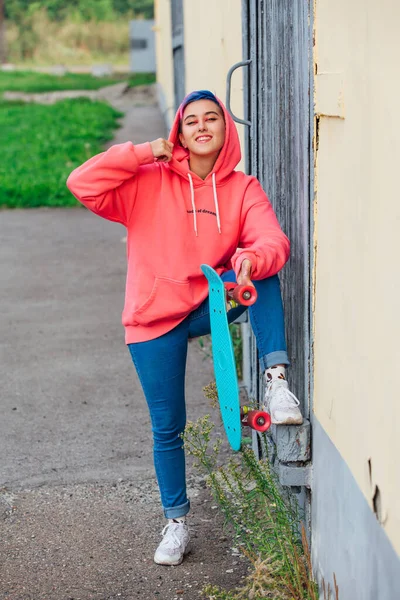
(357, 240)
(212, 42)
(165, 79)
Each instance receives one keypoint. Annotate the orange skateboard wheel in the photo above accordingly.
(245, 294)
(258, 420)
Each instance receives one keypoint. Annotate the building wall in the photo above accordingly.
(164, 73)
(357, 248)
(142, 55)
(212, 44)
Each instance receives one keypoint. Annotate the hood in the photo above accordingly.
(227, 160)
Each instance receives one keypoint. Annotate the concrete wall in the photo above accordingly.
(357, 248)
(347, 539)
(212, 44)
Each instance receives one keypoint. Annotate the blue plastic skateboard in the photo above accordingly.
(224, 360)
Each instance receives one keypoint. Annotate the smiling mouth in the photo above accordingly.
(202, 139)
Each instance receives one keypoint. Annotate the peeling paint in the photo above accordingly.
(320, 115)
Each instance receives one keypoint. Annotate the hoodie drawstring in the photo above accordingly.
(216, 202)
(194, 205)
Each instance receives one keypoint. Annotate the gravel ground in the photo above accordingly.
(80, 513)
(96, 541)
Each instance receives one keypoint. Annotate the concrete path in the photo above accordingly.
(79, 506)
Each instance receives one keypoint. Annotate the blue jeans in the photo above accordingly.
(161, 366)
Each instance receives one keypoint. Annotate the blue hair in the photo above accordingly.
(198, 95)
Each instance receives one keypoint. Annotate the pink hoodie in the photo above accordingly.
(175, 222)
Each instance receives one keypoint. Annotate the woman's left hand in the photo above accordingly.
(244, 274)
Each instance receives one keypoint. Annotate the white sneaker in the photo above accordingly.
(281, 404)
(174, 545)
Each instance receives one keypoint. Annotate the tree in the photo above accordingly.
(99, 10)
(144, 8)
(21, 12)
(3, 43)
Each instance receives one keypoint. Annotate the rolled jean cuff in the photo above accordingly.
(280, 357)
(177, 511)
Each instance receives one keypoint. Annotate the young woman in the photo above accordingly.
(183, 204)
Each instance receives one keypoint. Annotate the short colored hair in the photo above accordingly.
(198, 95)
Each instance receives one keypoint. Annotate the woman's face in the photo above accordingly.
(203, 128)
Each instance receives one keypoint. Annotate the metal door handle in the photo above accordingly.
(243, 63)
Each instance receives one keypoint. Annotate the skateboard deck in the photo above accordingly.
(224, 359)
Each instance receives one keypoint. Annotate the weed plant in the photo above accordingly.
(43, 144)
(72, 41)
(267, 526)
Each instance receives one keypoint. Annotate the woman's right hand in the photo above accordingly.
(162, 150)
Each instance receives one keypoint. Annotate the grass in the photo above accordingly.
(267, 526)
(44, 144)
(236, 334)
(33, 82)
(141, 79)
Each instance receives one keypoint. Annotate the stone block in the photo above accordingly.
(7, 67)
(59, 70)
(295, 476)
(102, 70)
(293, 442)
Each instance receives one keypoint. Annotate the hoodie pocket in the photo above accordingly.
(168, 299)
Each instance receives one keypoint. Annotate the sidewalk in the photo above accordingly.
(79, 506)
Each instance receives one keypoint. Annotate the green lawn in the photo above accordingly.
(41, 145)
(141, 79)
(32, 82)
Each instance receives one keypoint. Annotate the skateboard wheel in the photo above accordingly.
(257, 420)
(245, 294)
